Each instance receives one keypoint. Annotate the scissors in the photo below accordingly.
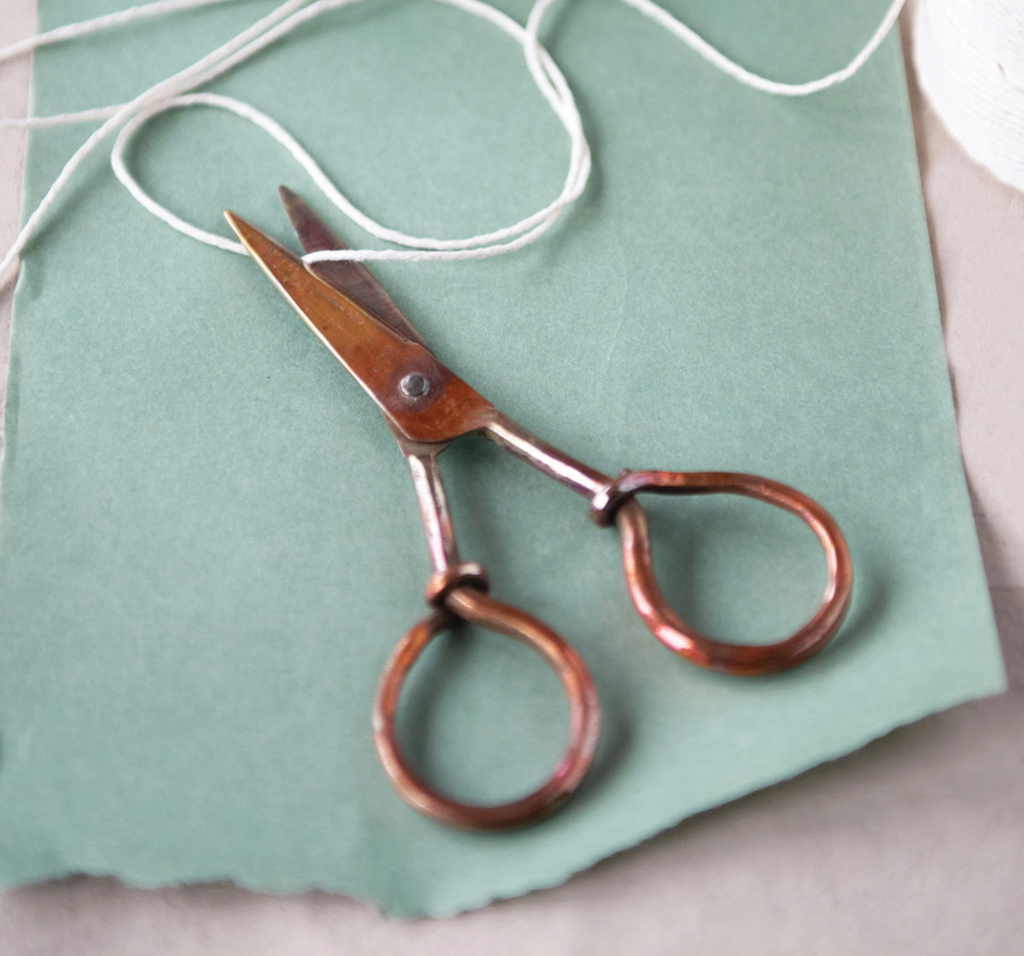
(427, 407)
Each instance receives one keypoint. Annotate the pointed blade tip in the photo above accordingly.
(291, 200)
(293, 203)
(240, 225)
(313, 233)
(258, 243)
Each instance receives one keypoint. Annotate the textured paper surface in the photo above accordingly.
(209, 544)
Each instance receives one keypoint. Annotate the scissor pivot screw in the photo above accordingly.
(414, 385)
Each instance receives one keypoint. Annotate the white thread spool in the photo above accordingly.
(970, 61)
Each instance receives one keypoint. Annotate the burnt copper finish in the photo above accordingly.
(374, 353)
(614, 500)
(442, 583)
(669, 628)
(427, 407)
(469, 604)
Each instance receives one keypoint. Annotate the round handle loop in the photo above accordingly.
(617, 503)
(467, 603)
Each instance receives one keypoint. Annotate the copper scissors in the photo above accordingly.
(427, 407)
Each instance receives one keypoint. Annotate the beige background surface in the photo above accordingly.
(914, 845)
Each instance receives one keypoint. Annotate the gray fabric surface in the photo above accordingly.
(913, 845)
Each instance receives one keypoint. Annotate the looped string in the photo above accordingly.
(174, 93)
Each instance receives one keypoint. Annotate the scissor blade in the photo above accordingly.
(352, 278)
(421, 399)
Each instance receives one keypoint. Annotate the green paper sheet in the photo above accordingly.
(209, 540)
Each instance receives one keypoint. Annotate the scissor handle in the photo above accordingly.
(619, 504)
(469, 603)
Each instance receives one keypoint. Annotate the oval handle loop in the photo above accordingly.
(742, 659)
(473, 606)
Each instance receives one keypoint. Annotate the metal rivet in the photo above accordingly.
(414, 385)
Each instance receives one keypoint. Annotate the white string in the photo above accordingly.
(62, 119)
(168, 87)
(74, 30)
(699, 45)
(172, 93)
(282, 136)
(554, 87)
